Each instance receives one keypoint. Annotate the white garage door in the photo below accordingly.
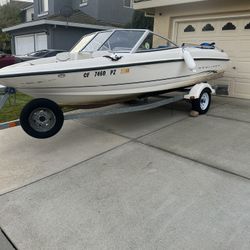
(30, 43)
(24, 44)
(232, 35)
(41, 41)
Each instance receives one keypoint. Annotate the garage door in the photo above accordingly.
(41, 41)
(232, 35)
(24, 44)
(30, 43)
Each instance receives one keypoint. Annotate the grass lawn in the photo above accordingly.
(12, 111)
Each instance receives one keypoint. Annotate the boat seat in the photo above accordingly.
(85, 55)
(67, 56)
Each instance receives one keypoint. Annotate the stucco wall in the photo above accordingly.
(164, 16)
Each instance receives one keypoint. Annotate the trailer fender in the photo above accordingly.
(196, 90)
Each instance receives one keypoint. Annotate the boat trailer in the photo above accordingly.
(197, 94)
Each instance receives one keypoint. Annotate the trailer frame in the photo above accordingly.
(141, 104)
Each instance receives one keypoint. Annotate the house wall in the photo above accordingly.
(36, 9)
(108, 10)
(164, 16)
(29, 14)
(114, 11)
(60, 4)
(160, 3)
(59, 37)
(92, 8)
(65, 38)
(171, 21)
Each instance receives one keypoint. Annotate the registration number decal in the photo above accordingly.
(104, 73)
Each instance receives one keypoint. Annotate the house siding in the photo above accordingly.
(111, 11)
(59, 5)
(64, 38)
(108, 11)
(60, 37)
(92, 8)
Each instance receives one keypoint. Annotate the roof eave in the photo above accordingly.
(52, 22)
(146, 4)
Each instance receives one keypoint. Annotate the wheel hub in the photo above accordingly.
(42, 119)
(204, 101)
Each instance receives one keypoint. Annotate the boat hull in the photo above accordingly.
(78, 96)
(99, 80)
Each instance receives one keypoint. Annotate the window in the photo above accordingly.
(189, 28)
(247, 27)
(208, 27)
(127, 3)
(229, 26)
(83, 2)
(43, 6)
(155, 42)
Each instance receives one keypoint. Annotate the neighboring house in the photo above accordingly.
(28, 13)
(3, 2)
(111, 11)
(59, 24)
(19, 3)
(114, 11)
(226, 22)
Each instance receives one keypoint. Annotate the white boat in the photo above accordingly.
(109, 66)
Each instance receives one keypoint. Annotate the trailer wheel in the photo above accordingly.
(41, 118)
(202, 104)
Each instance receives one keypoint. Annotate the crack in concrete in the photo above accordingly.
(64, 170)
(8, 239)
(197, 161)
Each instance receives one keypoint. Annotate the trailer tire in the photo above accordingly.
(202, 104)
(41, 118)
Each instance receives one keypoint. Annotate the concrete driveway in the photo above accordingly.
(149, 180)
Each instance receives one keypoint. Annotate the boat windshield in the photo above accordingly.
(118, 40)
(123, 41)
(154, 42)
(83, 43)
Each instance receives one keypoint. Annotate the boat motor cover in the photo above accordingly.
(189, 60)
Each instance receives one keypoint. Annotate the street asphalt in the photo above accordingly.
(148, 180)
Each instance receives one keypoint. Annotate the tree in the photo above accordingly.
(139, 21)
(9, 16)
